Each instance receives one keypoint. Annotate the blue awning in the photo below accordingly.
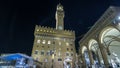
(15, 56)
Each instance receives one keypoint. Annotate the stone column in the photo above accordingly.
(80, 61)
(90, 57)
(83, 61)
(104, 55)
(98, 57)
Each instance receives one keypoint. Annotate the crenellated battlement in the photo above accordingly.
(53, 31)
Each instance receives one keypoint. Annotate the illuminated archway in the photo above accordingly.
(84, 48)
(86, 56)
(93, 45)
(96, 54)
(103, 33)
(110, 38)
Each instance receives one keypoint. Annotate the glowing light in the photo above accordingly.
(83, 49)
(43, 42)
(38, 41)
(49, 42)
(67, 44)
(119, 17)
(37, 29)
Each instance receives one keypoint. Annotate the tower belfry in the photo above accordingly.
(60, 17)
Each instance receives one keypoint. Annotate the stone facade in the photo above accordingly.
(54, 47)
(97, 45)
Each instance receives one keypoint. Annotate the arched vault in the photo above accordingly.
(93, 45)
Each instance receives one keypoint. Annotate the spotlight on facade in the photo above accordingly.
(117, 20)
(118, 17)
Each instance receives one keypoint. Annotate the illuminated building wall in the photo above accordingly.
(54, 47)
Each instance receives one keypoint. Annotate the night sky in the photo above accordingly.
(19, 17)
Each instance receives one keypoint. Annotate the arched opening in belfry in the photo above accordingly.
(95, 51)
(86, 56)
(110, 38)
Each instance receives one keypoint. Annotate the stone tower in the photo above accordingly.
(54, 47)
(60, 17)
